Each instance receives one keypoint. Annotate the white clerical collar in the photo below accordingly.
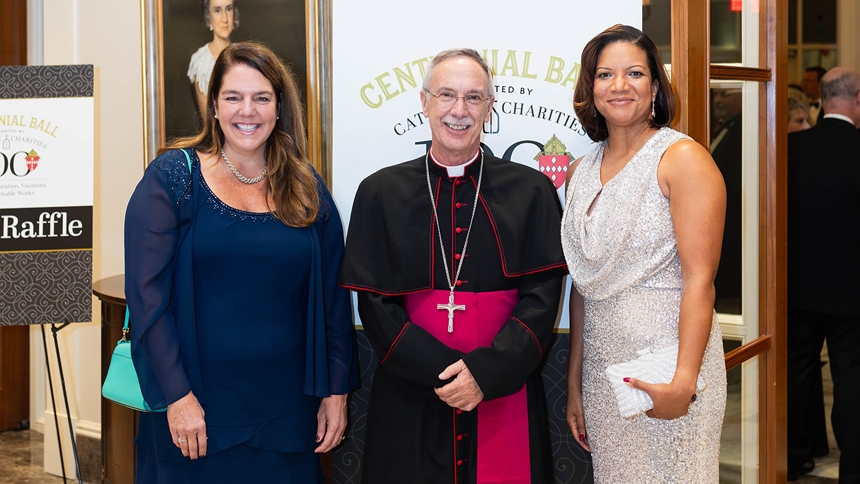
(454, 171)
(839, 116)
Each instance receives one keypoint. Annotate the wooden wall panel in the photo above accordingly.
(14, 340)
(14, 376)
(13, 32)
(690, 60)
(773, 216)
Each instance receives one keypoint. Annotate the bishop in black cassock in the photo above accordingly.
(510, 284)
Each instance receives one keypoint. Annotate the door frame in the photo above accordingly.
(692, 73)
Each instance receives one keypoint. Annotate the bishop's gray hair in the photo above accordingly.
(460, 52)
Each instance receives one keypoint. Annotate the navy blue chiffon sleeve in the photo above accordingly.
(153, 229)
(340, 331)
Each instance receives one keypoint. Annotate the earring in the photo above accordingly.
(210, 27)
(653, 102)
(216, 116)
(594, 114)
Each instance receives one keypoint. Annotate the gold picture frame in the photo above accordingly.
(173, 29)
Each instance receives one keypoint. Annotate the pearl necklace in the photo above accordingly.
(242, 178)
(451, 307)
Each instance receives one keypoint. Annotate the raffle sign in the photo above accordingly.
(46, 194)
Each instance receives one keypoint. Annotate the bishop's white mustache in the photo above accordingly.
(454, 122)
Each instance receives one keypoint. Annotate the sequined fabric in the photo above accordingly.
(624, 261)
(176, 173)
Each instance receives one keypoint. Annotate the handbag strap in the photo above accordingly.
(125, 326)
(187, 158)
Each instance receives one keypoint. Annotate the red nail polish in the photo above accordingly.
(626, 379)
(582, 437)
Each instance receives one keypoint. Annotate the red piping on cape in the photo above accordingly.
(355, 287)
(530, 332)
(397, 340)
(501, 250)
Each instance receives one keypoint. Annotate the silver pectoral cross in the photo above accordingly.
(451, 307)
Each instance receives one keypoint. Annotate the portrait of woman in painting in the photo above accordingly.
(190, 42)
(222, 16)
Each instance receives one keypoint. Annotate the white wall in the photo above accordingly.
(848, 37)
(105, 34)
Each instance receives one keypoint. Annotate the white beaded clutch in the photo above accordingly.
(652, 367)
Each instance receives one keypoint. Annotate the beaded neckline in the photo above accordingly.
(218, 204)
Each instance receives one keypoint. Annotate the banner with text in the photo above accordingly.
(46, 194)
(380, 49)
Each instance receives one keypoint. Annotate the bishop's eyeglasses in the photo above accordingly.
(448, 99)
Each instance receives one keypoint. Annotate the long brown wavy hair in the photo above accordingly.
(291, 178)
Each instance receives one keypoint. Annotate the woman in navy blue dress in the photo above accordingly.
(232, 249)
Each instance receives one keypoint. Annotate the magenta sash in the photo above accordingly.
(503, 430)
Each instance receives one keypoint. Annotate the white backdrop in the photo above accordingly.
(380, 49)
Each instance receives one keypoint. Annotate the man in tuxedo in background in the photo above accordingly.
(726, 149)
(811, 85)
(823, 268)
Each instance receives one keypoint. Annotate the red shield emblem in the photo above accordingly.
(554, 167)
(32, 162)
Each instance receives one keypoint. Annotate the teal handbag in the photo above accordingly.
(121, 385)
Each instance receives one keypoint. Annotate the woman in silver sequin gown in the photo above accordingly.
(641, 232)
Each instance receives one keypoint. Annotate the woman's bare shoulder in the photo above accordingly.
(687, 163)
(687, 150)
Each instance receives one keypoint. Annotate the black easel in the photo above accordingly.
(55, 329)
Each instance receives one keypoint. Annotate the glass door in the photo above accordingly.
(729, 65)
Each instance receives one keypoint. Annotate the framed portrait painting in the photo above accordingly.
(181, 39)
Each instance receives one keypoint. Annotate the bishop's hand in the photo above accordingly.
(463, 392)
